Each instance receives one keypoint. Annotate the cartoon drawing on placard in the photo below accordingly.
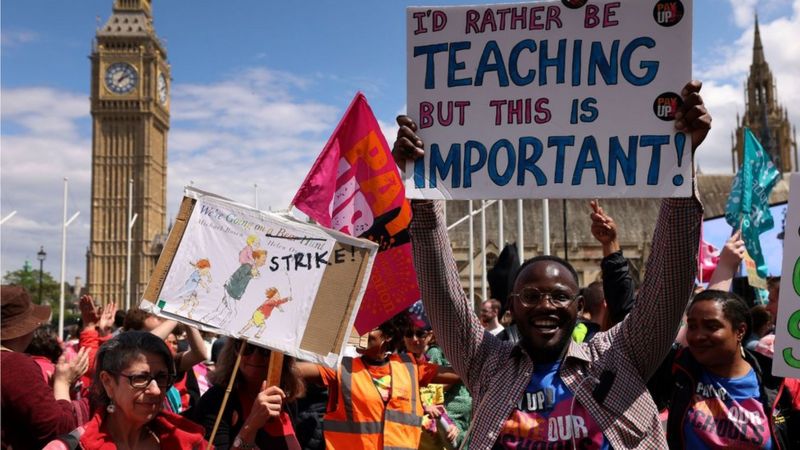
(234, 290)
(260, 315)
(246, 255)
(199, 278)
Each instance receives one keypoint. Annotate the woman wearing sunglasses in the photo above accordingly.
(133, 372)
(448, 408)
(255, 416)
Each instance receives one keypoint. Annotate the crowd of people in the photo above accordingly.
(612, 364)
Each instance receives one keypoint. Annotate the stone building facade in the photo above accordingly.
(130, 94)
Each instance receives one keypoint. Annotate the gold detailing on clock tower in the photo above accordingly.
(130, 90)
(766, 118)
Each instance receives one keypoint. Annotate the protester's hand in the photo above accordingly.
(408, 145)
(69, 371)
(267, 406)
(604, 229)
(433, 411)
(88, 309)
(732, 253)
(692, 117)
(452, 433)
(106, 321)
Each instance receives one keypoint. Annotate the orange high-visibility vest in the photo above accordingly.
(360, 420)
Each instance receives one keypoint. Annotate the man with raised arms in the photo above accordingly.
(548, 391)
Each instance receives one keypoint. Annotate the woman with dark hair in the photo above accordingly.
(720, 394)
(373, 400)
(255, 415)
(45, 350)
(132, 374)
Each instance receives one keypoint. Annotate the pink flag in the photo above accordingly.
(354, 187)
(707, 259)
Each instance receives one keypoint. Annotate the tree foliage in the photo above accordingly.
(29, 279)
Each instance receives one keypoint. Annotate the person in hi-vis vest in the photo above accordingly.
(373, 400)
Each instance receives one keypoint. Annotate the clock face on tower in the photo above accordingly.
(121, 78)
(162, 88)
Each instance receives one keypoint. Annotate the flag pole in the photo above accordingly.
(520, 232)
(546, 226)
(501, 240)
(131, 221)
(64, 226)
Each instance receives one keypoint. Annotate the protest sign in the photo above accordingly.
(354, 187)
(786, 362)
(550, 99)
(262, 277)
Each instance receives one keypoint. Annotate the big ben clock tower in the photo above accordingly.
(130, 95)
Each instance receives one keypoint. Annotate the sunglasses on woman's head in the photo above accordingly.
(419, 334)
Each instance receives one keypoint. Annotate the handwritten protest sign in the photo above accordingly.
(549, 99)
(269, 279)
(786, 362)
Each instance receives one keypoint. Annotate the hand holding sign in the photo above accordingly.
(693, 117)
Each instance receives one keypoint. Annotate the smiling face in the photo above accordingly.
(545, 328)
(712, 339)
(136, 406)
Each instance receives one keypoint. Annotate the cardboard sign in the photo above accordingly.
(563, 99)
(262, 277)
(786, 362)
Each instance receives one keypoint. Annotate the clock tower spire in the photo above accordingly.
(130, 84)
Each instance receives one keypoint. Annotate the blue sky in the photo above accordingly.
(259, 86)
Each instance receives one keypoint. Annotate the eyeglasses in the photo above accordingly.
(143, 380)
(419, 334)
(532, 297)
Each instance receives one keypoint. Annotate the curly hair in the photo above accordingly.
(45, 343)
(116, 354)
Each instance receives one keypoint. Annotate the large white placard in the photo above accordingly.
(786, 362)
(256, 276)
(551, 99)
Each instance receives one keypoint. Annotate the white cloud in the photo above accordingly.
(14, 38)
(225, 137)
(48, 141)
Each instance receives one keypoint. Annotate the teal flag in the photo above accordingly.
(748, 203)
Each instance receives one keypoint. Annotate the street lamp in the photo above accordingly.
(41, 256)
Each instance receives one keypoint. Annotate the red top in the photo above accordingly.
(31, 414)
(173, 431)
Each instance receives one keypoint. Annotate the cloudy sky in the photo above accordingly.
(257, 89)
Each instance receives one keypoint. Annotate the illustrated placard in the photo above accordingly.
(263, 277)
(559, 99)
(786, 362)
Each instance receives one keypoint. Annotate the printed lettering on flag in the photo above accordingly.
(355, 187)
